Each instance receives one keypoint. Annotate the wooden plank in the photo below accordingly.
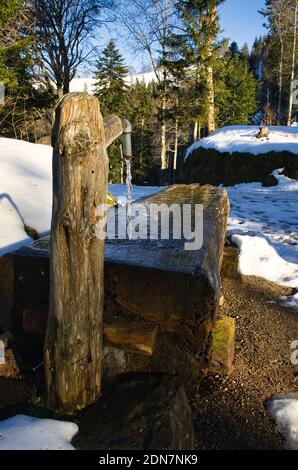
(131, 336)
(113, 128)
(73, 346)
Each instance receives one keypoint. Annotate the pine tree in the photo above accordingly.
(112, 93)
(200, 19)
(13, 43)
(234, 49)
(141, 111)
(110, 75)
(23, 100)
(182, 94)
(236, 91)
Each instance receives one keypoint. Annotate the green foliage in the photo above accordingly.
(111, 91)
(110, 86)
(8, 10)
(13, 47)
(235, 91)
(201, 25)
(141, 115)
(24, 102)
(272, 57)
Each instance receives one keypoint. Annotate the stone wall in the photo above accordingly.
(208, 166)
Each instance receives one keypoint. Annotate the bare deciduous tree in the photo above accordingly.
(149, 24)
(63, 29)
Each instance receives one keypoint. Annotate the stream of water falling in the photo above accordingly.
(129, 196)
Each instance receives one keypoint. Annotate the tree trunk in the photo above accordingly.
(280, 78)
(211, 99)
(293, 65)
(210, 81)
(73, 347)
(122, 164)
(163, 136)
(66, 87)
(195, 131)
(176, 143)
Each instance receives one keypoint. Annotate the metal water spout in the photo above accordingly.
(126, 139)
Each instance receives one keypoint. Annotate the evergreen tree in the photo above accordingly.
(111, 91)
(200, 19)
(234, 49)
(110, 75)
(281, 60)
(141, 115)
(23, 101)
(184, 101)
(236, 91)
(13, 44)
(245, 52)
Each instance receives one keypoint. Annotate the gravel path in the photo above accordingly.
(230, 413)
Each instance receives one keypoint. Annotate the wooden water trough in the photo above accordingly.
(160, 300)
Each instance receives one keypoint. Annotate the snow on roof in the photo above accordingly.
(243, 139)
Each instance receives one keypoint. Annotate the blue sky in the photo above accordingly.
(241, 21)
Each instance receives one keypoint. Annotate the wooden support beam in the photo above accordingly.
(73, 346)
(113, 128)
(131, 336)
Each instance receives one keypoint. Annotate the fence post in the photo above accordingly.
(73, 346)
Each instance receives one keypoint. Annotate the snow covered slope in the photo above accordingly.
(87, 84)
(26, 192)
(243, 139)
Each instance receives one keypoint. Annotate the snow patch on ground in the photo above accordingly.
(258, 258)
(291, 301)
(285, 412)
(264, 225)
(243, 139)
(26, 433)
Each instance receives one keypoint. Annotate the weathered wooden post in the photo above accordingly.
(73, 347)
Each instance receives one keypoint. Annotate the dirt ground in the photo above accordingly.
(229, 413)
